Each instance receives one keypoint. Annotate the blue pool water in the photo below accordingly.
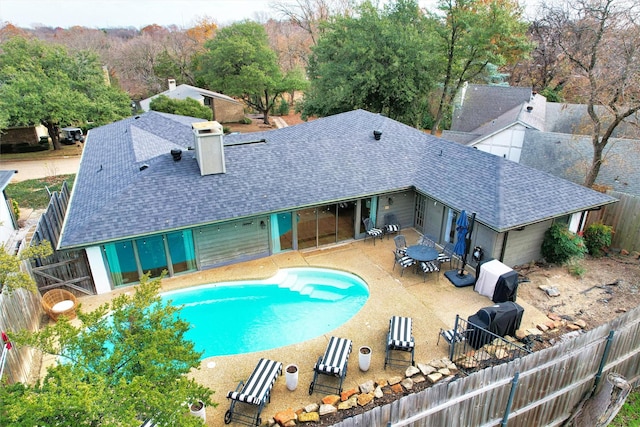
(295, 305)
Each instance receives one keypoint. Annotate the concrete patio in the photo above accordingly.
(433, 304)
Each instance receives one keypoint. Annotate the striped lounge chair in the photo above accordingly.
(332, 363)
(399, 338)
(256, 392)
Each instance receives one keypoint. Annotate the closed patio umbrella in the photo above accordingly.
(464, 227)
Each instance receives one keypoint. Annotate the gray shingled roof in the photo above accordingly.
(569, 156)
(5, 178)
(185, 91)
(574, 119)
(482, 103)
(323, 161)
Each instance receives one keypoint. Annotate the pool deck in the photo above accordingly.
(433, 304)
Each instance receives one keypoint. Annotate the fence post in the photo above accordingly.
(605, 355)
(454, 340)
(507, 410)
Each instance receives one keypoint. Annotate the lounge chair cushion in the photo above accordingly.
(335, 357)
(400, 332)
(257, 388)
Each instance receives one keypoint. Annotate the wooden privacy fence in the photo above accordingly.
(20, 310)
(540, 389)
(624, 217)
(63, 269)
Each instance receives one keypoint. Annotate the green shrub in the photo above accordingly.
(246, 120)
(283, 108)
(597, 237)
(576, 268)
(560, 245)
(16, 209)
(226, 130)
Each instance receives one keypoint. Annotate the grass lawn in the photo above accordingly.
(629, 415)
(33, 194)
(64, 151)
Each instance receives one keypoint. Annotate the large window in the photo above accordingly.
(128, 260)
(183, 257)
(122, 263)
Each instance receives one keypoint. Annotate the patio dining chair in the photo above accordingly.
(391, 224)
(430, 267)
(447, 254)
(427, 240)
(399, 338)
(403, 261)
(256, 392)
(332, 363)
(401, 244)
(371, 230)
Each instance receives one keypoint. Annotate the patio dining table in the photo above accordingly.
(422, 253)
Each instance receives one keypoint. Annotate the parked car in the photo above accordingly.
(71, 135)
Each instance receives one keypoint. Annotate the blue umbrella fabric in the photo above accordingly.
(462, 227)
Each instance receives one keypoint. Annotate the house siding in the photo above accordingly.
(524, 246)
(226, 111)
(231, 242)
(507, 144)
(402, 206)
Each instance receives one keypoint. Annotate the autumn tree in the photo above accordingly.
(239, 62)
(379, 60)
(601, 40)
(309, 15)
(474, 34)
(125, 362)
(41, 83)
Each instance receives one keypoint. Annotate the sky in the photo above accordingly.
(133, 13)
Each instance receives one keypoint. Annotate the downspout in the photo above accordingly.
(504, 246)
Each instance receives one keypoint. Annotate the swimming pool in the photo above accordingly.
(295, 305)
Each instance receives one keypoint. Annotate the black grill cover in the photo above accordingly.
(501, 319)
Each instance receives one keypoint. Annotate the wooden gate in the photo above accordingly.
(62, 269)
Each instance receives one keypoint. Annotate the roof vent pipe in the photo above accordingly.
(377, 135)
(176, 153)
(529, 108)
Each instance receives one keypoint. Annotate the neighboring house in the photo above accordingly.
(159, 191)
(27, 138)
(8, 224)
(520, 125)
(225, 109)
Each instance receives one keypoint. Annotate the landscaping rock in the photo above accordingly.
(284, 417)
(313, 407)
(382, 382)
(327, 409)
(444, 371)
(580, 323)
(407, 383)
(309, 417)
(411, 371)
(418, 379)
(397, 388)
(365, 398)
(367, 387)
(394, 380)
(331, 399)
(352, 402)
(439, 363)
(378, 393)
(345, 395)
(435, 377)
(426, 369)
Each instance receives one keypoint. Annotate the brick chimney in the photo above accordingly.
(208, 138)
